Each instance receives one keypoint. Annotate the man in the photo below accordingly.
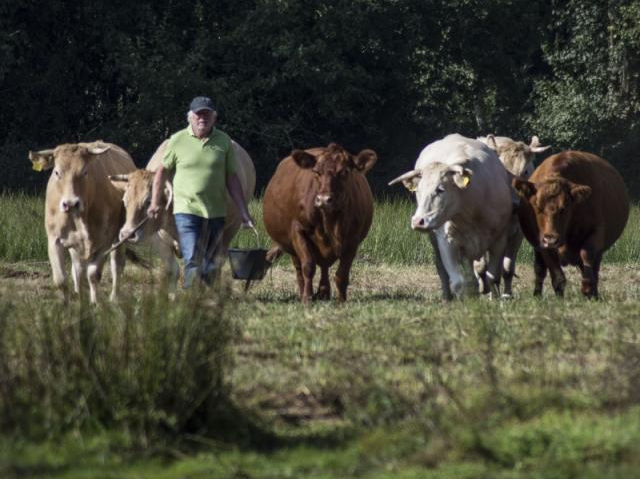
(202, 161)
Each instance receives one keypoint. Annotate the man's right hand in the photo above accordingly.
(153, 211)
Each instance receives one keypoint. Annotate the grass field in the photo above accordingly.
(395, 383)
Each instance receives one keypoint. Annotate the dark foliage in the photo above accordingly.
(381, 74)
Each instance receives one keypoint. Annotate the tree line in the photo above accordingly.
(390, 75)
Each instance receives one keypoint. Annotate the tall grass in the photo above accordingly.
(148, 367)
(389, 241)
(392, 241)
(22, 231)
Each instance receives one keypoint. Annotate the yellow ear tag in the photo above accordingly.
(465, 180)
(412, 188)
(36, 165)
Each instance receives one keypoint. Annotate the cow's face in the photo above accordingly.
(552, 202)
(332, 169)
(438, 190)
(70, 164)
(518, 158)
(137, 187)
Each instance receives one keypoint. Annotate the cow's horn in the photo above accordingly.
(536, 146)
(119, 177)
(40, 152)
(407, 175)
(98, 150)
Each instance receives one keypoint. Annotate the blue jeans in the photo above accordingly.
(199, 239)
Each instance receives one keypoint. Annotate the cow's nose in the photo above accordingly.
(550, 240)
(124, 234)
(70, 204)
(418, 223)
(323, 200)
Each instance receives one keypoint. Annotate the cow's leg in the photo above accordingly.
(299, 274)
(78, 267)
(117, 264)
(446, 293)
(94, 273)
(494, 267)
(323, 293)
(510, 257)
(451, 260)
(590, 266)
(558, 279)
(342, 277)
(539, 267)
(57, 261)
(480, 266)
(304, 249)
(170, 272)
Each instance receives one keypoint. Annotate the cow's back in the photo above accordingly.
(608, 204)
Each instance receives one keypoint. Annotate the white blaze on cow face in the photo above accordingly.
(439, 194)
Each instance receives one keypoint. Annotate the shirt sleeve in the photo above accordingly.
(169, 161)
(230, 159)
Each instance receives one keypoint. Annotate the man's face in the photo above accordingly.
(202, 122)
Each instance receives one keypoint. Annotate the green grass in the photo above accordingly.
(390, 239)
(395, 383)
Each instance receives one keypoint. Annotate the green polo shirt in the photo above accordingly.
(201, 168)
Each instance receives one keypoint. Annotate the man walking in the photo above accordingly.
(201, 158)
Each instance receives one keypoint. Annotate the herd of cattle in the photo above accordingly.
(476, 199)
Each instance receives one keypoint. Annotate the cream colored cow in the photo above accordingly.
(161, 232)
(464, 202)
(83, 211)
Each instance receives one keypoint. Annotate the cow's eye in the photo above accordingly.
(440, 189)
(57, 173)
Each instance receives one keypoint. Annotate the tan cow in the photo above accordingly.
(518, 159)
(464, 204)
(83, 211)
(161, 232)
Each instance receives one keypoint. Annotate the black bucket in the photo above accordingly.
(248, 264)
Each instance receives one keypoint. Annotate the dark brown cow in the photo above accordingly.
(318, 208)
(576, 208)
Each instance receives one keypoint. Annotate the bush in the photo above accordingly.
(148, 367)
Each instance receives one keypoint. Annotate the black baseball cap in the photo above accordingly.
(201, 103)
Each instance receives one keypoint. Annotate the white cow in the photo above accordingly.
(464, 201)
(83, 211)
(518, 159)
(137, 189)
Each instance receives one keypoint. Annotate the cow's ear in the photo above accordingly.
(303, 159)
(524, 188)
(42, 160)
(580, 192)
(119, 181)
(461, 175)
(364, 160)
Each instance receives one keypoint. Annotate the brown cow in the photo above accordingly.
(576, 208)
(83, 211)
(318, 208)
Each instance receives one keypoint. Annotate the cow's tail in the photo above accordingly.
(136, 259)
(273, 254)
